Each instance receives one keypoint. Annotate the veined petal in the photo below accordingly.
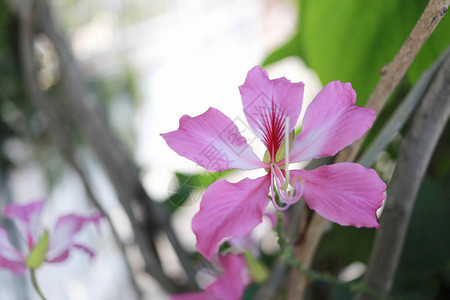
(213, 141)
(332, 122)
(232, 283)
(345, 193)
(62, 239)
(267, 103)
(26, 217)
(10, 258)
(229, 210)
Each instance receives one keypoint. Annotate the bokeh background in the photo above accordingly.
(148, 62)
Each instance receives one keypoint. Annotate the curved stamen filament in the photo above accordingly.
(290, 199)
(272, 191)
(279, 175)
(285, 196)
(282, 185)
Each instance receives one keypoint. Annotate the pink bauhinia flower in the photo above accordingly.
(345, 193)
(230, 285)
(60, 241)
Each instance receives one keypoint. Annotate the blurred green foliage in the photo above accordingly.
(333, 249)
(351, 40)
(424, 268)
(347, 40)
(12, 92)
(250, 292)
(186, 187)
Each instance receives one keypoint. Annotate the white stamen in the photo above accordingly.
(286, 157)
(272, 190)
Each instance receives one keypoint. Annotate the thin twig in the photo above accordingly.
(394, 72)
(391, 76)
(328, 278)
(115, 233)
(58, 130)
(415, 153)
(146, 216)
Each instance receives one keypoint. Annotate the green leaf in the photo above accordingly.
(351, 40)
(291, 48)
(190, 185)
(426, 252)
(343, 245)
(258, 270)
(250, 292)
(37, 255)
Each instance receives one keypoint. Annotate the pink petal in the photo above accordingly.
(232, 283)
(60, 257)
(229, 210)
(213, 141)
(62, 239)
(229, 286)
(26, 217)
(345, 193)
(10, 258)
(243, 243)
(267, 103)
(86, 250)
(332, 122)
(192, 296)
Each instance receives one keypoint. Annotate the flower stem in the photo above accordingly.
(35, 284)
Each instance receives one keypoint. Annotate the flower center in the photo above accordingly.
(288, 194)
(271, 121)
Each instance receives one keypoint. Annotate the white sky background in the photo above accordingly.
(190, 57)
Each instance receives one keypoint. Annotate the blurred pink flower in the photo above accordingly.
(345, 193)
(230, 285)
(61, 240)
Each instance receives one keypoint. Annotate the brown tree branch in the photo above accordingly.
(415, 154)
(402, 113)
(394, 71)
(58, 130)
(391, 76)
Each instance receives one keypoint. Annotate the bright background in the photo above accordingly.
(151, 61)
(185, 56)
